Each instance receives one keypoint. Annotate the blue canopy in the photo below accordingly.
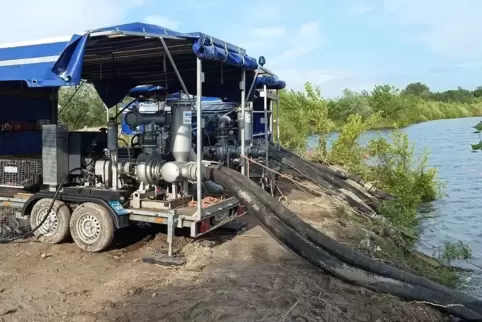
(271, 82)
(118, 58)
(32, 62)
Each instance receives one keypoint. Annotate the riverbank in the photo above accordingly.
(406, 174)
(453, 216)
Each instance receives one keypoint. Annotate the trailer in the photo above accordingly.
(83, 184)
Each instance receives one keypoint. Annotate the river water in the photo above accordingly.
(458, 216)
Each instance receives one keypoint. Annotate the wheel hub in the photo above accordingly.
(50, 225)
(88, 227)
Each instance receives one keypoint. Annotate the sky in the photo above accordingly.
(334, 44)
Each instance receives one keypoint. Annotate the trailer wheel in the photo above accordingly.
(92, 227)
(55, 229)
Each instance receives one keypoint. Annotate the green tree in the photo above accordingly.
(385, 99)
(349, 103)
(81, 107)
(458, 95)
(418, 89)
(477, 92)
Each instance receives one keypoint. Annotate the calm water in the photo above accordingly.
(458, 216)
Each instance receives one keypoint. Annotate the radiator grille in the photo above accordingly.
(20, 172)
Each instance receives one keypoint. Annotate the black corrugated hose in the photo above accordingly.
(367, 205)
(357, 259)
(324, 252)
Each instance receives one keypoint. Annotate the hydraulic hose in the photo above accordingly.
(252, 197)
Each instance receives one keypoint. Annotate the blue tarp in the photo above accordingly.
(118, 58)
(210, 48)
(271, 82)
(31, 62)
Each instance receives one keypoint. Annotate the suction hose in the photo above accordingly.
(365, 204)
(341, 175)
(257, 201)
(348, 254)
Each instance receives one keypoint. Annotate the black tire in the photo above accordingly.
(92, 227)
(56, 228)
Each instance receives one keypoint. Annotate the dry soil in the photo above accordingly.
(228, 277)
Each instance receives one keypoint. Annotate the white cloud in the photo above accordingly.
(162, 21)
(306, 39)
(449, 28)
(286, 49)
(32, 19)
(281, 45)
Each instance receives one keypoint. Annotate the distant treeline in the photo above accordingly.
(401, 107)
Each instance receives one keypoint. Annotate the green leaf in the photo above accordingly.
(478, 127)
(477, 146)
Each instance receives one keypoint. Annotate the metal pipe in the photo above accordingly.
(271, 118)
(168, 53)
(242, 86)
(252, 85)
(266, 159)
(277, 122)
(199, 138)
(106, 114)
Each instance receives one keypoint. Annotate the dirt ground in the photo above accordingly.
(228, 277)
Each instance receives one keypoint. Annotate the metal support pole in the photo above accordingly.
(107, 113)
(170, 234)
(277, 122)
(266, 158)
(242, 87)
(252, 85)
(168, 53)
(271, 119)
(199, 138)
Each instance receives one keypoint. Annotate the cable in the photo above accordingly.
(57, 191)
(70, 99)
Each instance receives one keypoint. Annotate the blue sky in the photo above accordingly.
(335, 44)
